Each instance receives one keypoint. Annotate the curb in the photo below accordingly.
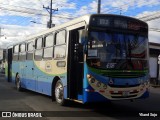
(156, 86)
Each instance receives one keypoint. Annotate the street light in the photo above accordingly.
(53, 25)
(37, 22)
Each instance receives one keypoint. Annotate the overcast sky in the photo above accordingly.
(15, 15)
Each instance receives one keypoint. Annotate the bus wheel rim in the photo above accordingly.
(59, 92)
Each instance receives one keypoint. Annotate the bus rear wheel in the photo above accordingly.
(59, 93)
(18, 83)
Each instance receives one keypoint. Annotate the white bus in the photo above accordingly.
(93, 58)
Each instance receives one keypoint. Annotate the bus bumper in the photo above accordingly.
(145, 95)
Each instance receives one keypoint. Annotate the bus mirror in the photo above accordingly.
(84, 36)
(84, 33)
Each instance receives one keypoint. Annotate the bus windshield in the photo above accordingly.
(117, 51)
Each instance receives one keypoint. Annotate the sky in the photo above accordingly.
(16, 16)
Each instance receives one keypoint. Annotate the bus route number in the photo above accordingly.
(104, 22)
(110, 65)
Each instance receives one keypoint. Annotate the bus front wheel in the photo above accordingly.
(59, 93)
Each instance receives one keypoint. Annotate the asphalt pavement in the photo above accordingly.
(27, 102)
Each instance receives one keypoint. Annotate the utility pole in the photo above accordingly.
(49, 24)
(120, 10)
(99, 7)
(50, 20)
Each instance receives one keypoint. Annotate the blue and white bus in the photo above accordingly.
(93, 58)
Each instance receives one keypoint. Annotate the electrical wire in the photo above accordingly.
(154, 29)
(38, 12)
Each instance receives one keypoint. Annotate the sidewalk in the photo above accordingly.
(156, 86)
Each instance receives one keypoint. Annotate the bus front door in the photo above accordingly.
(75, 66)
(9, 58)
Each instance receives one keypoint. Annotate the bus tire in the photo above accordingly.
(59, 93)
(18, 83)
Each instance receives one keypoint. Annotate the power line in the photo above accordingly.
(50, 13)
(33, 12)
(141, 3)
(154, 29)
(30, 11)
(99, 7)
(150, 17)
(15, 6)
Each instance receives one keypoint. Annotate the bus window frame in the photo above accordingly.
(17, 53)
(55, 45)
(29, 51)
(36, 42)
(44, 38)
(22, 52)
(52, 46)
(55, 36)
(39, 48)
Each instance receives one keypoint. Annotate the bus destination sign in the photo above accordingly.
(134, 26)
(121, 23)
(118, 23)
(104, 22)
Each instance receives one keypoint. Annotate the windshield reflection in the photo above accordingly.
(115, 50)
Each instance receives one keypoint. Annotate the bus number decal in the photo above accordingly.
(104, 22)
(48, 67)
(111, 65)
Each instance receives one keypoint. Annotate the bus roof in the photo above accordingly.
(64, 25)
(85, 18)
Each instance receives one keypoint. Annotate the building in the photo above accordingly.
(154, 67)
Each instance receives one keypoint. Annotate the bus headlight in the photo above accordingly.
(92, 80)
(143, 83)
(88, 76)
(98, 84)
(111, 81)
(147, 82)
(105, 86)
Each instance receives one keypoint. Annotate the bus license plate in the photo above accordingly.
(125, 93)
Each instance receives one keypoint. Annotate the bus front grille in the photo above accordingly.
(124, 96)
(124, 86)
(124, 74)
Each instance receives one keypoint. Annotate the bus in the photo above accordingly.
(94, 58)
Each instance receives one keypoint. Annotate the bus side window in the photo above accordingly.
(22, 53)
(30, 48)
(16, 53)
(59, 51)
(48, 50)
(60, 37)
(60, 47)
(39, 50)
